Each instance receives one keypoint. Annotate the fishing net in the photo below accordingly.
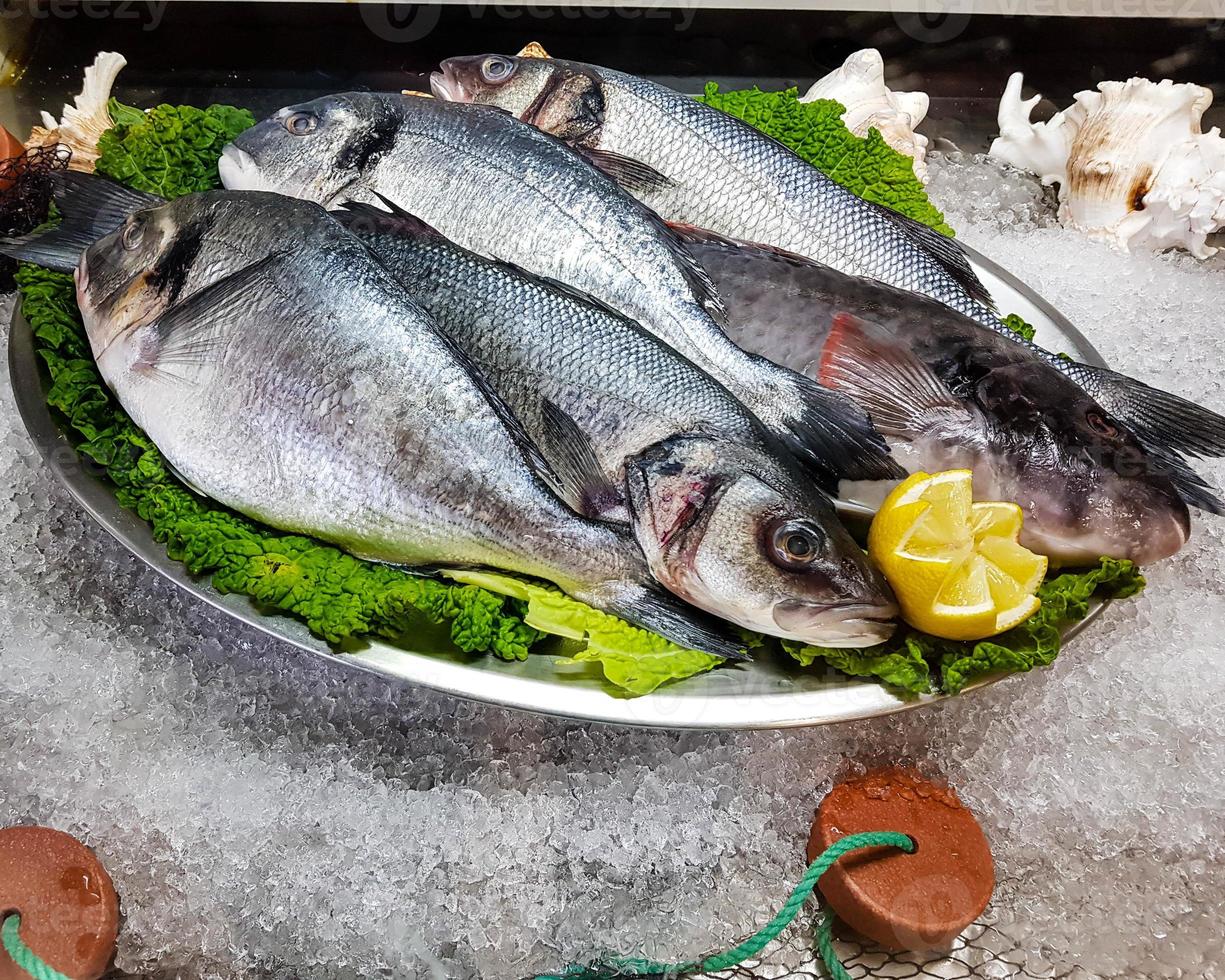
(25, 194)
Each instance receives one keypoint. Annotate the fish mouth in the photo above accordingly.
(840, 624)
(446, 86)
(240, 172)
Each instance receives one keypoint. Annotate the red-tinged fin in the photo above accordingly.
(868, 362)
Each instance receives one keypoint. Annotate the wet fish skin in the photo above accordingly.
(1088, 487)
(508, 191)
(284, 373)
(644, 410)
(698, 165)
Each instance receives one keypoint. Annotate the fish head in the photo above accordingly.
(1088, 487)
(320, 150)
(735, 534)
(162, 257)
(948, 393)
(564, 98)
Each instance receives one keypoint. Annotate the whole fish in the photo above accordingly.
(723, 515)
(508, 191)
(698, 165)
(948, 392)
(282, 371)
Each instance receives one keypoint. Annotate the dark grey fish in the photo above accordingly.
(948, 393)
(724, 517)
(284, 372)
(508, 191)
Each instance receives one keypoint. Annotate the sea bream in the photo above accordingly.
(948, 393)
(641, 435)
(697, 165)
(282, 371)
(508, 191)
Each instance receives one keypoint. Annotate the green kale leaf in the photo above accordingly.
(169, 150)
(869, 166)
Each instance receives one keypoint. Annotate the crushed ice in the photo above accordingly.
(265, 814)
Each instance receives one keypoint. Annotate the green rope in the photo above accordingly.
(627, 967)
(21, 954)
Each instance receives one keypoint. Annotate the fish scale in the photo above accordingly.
(508, 191)
(283, 372)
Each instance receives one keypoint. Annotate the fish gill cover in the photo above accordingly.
(173, 150)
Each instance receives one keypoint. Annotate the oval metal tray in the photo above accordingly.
(768, 693)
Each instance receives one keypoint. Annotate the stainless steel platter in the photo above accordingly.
(768, 693)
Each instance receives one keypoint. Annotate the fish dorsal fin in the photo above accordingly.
(633, 175)
(354, 214)
(582, 482)
(945, 250)
(866, 361)
(191, 331)
(696, 276)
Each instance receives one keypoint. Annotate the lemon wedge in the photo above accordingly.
(955, 565)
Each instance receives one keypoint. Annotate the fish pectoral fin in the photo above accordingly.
(868, 362)
(581, 481)
(191, 331)
(649, 606)
(175, 472)
(633, 175)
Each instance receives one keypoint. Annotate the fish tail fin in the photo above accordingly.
(828, 432)
(649, 606)
(91, 207)
(1159, 419)
(1194, 490)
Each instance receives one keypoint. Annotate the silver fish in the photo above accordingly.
(285, 373)
(508, 191)
(950, 393)
(696, 165)
(724, 517)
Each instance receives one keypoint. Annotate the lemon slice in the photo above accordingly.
(955, 564)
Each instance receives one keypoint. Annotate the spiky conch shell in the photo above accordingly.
(1133, 166)
(83, 122)
(859, 84)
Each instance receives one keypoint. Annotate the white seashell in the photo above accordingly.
(860, 86)
(87, 118)
(1132, 165)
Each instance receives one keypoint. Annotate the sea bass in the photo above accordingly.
(283, 372)
(723, 515)
(508, 191)
(948, 392)
(697, 165)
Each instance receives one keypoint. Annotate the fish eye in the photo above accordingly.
(1101, 425)
(301, 123)
(795, 544)
(131, 235)
(497, 69)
